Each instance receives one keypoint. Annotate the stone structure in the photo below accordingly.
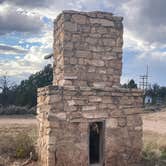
(85, 118)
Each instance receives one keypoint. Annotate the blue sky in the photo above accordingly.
(26, 35)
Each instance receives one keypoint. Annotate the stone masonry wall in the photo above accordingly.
(88, 49)
(86, 89)
(65, 114)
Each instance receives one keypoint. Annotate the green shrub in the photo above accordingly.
(150, 152)
(18, 146)
(23, 146)
(163, 152)
(153, 156)
(163, 155)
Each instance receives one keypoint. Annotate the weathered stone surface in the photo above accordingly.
(93, 115)
(89, 108)
(103, 22)
(111, 123)
(85, 90)
(79, 18)
(97, 62)
(86, 39)
(95, 99)
(99, 84)
(83, 54)
(68, 26)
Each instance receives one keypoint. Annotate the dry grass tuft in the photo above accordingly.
(154, 149)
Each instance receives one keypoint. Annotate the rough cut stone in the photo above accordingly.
(68, 26)
(95, 99)
(86, 90)
(103, 22)
(111, 123)
(87, 108)
(87, 39)
(79, 19)
(97, 62)
(94, 115)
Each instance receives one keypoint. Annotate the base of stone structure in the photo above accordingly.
(66, 113)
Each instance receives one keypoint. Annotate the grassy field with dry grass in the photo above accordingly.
(14, 129)
(154, 127)
(18, 135)
(154, 137)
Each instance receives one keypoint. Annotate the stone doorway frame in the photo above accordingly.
(101, 142)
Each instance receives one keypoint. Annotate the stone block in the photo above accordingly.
(91, 40)
(122, 122)
(82, 54)
(97, 63)
(69, 26)
(111, 123)
(71, 102)
(79, 19)
(88, 108)
(95, 99)
(95, 115)
(103, 22)
(99, 84)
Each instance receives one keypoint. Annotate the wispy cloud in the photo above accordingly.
(13, 19)
(146, 19)
(12, 50)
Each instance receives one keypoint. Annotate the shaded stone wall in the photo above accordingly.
(88, 49)
(87, 69)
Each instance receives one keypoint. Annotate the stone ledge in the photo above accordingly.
(93, 14)
(50, 88)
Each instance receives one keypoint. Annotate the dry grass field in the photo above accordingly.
(17, 137)
(154, 126)
(154, 136)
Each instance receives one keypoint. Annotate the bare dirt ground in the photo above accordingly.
(11, 125)
(152, 122)
(17, 120)
(154, 130)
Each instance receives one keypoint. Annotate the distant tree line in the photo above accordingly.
(24, 94)
(131, 84)
(157, 93)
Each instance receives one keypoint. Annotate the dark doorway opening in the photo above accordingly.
(96, 142)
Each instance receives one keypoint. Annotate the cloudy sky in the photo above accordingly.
(26, 34)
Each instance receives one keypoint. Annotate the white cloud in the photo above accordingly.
(146, 19)
(11, 50)
(46, 39)
(32, 62)
(154, 56)
(14, 20)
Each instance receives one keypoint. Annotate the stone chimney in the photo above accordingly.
(87, 49)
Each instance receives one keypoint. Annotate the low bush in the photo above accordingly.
(150, 152)
(18, 146)
(163, 152)
(23, 146)
(17, 110)
(152, 155)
